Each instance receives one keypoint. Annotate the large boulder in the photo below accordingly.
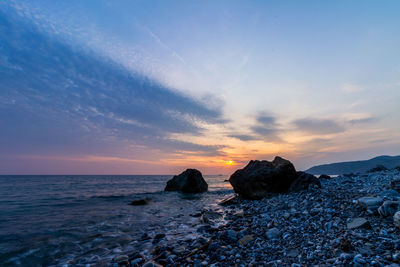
(189, 181)
(261, 178)
(303, 181)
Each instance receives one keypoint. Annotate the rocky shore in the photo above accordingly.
(336, 225)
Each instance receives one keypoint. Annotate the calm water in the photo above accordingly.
(53, 220)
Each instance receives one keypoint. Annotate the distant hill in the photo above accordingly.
(389, 162)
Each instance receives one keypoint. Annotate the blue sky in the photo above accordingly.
(157, 86)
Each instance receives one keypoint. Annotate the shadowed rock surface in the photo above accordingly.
(303, 181)
(261, 178)
(189, 181)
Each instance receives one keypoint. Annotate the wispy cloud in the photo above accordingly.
(318, 126)
(66, 99)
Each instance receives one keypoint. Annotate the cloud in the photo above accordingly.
(59, 98)
(243, 137)
(363, 120)
(318, 126)
(351, 88)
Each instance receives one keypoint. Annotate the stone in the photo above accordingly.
(261, 178)
(370, 203)
(189, 181)
(229, 235)
(395, 185)
(140, 202)
(359, 223)
(273, 233)
(293, 253)
(396, 219)
(391, 193)
(246, 239)
(324, 176)
(210, 216)
(388, 208)
(228, 201)
(303, 181)
(378, 168)
(151, 264)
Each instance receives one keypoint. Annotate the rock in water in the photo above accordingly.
(324, 176)
(140, 202)
(303, 181)
(261, 178)
(189, 181)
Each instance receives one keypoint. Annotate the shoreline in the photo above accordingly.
(295, 229)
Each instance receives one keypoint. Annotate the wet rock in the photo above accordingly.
(359, 223)
(140, 202)
(324, 176)
(229, 201)
(189, 181)
(210, 216)
(261, 178)
(273, 233)
(396, 219)
(389, 208)
(303, 181)
(158, 237)
(229, 235)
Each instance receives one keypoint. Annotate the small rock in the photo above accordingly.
(293, 253)
(229, 235)
(324, 176)
(246, 239)
(210, 216)
(273, 233)
(359, 223)
(389, 208)
(140, 202)
(228, 201)
(151, 264)
(395, 185)
(396, 219)
(370, 203)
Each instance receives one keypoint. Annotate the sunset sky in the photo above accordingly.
(155, 87)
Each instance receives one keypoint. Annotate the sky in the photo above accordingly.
(155, 87)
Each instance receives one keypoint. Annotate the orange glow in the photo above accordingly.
(229, 162)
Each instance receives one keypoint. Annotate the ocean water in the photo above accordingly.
(54, 220)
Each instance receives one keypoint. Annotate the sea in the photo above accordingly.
(64, 220)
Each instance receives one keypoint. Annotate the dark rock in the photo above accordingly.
(324, 176)
(396, 219)
(273, 233)
(210, 216)
(189, 181)
(229, 235)
(359, 223)
(261, 178)
(303, 181)
(140, 202)
(229, 201)
(389, 208)
(370, 203)
(378, 168)
(395, 185)
(151, 264)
